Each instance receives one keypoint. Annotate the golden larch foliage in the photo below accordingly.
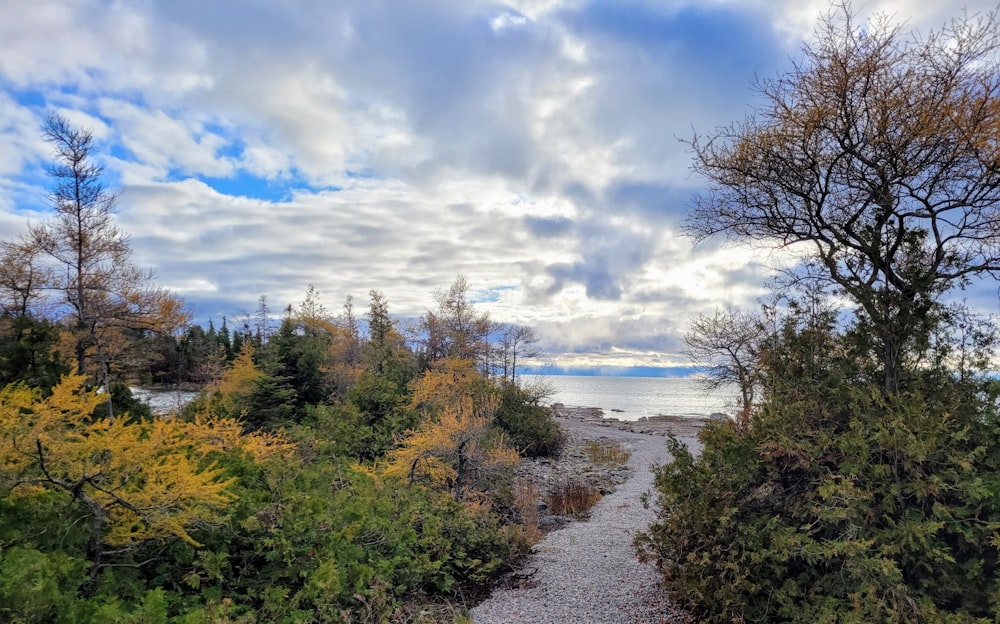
(448, 383)
(228, 435)
(138, 480)
(228, 395)
(454, 451)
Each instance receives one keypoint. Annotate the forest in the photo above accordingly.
(332, 468)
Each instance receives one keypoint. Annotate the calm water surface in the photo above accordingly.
(630, 398)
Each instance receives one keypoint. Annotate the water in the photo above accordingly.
(631, 398)
(163, 401)
(627, 398)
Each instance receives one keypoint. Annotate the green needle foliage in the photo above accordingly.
(863, 485)
(838, 503)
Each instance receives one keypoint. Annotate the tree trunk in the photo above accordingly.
(95, 547)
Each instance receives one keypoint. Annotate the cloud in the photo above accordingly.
(548, 227)
(168, 145)
(534, 146)
(22, 143)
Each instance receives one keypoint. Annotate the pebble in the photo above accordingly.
(586, 572)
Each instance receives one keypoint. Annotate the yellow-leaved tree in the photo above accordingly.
(459, 450)
(135, 481)
(447, 382)
(229, 397)
(456, 446)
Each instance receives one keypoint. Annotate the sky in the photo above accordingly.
(535, 147)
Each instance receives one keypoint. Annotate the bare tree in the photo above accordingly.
(878, 155)
(23, 276)
(516, 343)
(727, 345)
(456, 329)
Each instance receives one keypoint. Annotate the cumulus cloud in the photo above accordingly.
(534, 146)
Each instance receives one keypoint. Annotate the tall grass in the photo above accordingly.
(572, 497)
(526, 497)
(607, 452)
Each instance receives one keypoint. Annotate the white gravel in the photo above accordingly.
(587, 571)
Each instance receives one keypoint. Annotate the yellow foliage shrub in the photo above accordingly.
(453, 451)
(138, 481)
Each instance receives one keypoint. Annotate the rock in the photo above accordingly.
(660, 424)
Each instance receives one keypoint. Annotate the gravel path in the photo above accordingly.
(587, 571)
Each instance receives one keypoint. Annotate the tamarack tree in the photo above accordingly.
(78, 265)
(456, 330)
(877, 153)
(135, 482)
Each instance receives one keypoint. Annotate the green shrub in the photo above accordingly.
(37, 586)
(837, 505)
(332, 541)
(530, 426)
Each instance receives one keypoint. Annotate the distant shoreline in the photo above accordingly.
(652, 372)
(654, 425)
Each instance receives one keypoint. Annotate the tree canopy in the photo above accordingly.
(862, 484)
(878, 155)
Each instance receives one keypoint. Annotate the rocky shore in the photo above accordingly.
(578, 430)
(681, 426)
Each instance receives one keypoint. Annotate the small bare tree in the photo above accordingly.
(23, 275)
(516, 343)
(727, 345)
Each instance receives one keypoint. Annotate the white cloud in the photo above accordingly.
(531, 147)
(265, 161)
(167, 143)
(21, 143)
(507, 20)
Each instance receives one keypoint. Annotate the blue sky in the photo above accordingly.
(531, 146)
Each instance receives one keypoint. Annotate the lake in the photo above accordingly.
(636, 397)
(163, 401)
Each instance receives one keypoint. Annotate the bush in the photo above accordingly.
(836, 506)
(333, 541)
(38, 587)
(531, 428)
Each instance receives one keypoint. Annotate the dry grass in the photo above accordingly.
(607, 452)
(572, 497)
(526, 497)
